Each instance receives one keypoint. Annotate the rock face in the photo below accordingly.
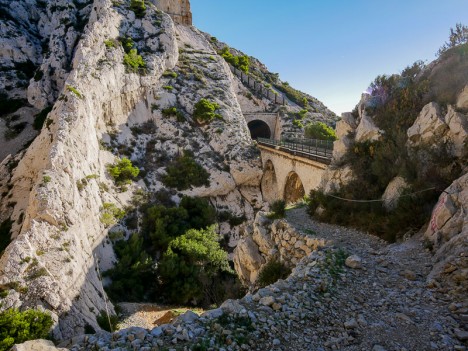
(179, 10)
(271, 241)
(448, 234)
(433, 129)
(36, 345)
(102, 110)
(392, 194)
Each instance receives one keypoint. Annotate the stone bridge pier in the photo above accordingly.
(288, 177)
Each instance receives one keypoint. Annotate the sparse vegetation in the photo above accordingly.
(173, 112)
(74, 91)
(205, 111)
(103, 320)
(277, 209)
(133, 61)
(185, 172)
(319, 130)
(17, 327)
(272, 272)
(123, 171)
(138, 7)
(240, 62)
(111, 214)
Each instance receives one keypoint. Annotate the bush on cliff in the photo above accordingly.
(123, 171)
(205, 111)
(319, 130)
(185, 172)
(240, 62)
(138, 7)
(193, 266)
(17, 327)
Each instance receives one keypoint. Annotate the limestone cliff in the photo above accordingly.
(99, 109)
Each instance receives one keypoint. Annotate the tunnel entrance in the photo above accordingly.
(259, 129)
(294, 190)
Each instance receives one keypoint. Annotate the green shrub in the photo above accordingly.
(110, 43)
(278, 209)
(40, 118)
(103, 321)
(168, 87)
(139, 7)
(173, 112)
(123, 172)
(319, 130)
(17, 327)
(170, 74)
(185, 172)
(205, 111)
(74, 91)
(133, 61)
(111, 214)
(192, 265)
(272, 272)
(166, 223)
(240, 62)
(133, 277)
(127, 44)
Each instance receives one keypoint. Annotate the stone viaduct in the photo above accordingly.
(286, 175)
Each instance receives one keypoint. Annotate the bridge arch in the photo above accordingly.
(269, 183)
(259, 129)
(293, 189)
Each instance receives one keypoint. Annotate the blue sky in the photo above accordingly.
(332, 49)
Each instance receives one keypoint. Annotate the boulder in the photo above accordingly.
(354, 262)
(367, 130)
(448, 234)
(462, 101)
(392, 194)
(429, 127)
(458, 130)
(36, 345)
(247, 260)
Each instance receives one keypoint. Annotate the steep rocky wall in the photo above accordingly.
(58, 236)
(53, 251)
(270, 240)
(447, 234)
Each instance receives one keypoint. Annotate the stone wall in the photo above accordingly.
(270, 240)
(179, 10)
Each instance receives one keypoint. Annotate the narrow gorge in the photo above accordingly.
(144, 161)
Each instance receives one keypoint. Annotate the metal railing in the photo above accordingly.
(314, 149)
(273, 96)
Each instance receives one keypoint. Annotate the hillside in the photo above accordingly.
(128, 174)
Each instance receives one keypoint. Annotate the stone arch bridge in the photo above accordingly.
(290, 170)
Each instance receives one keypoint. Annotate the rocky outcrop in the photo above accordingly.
(36, 345)
(447, 233)
(179, 10)
(393, 192)
(462, 101)
(271, 241)
(433, 129)
(104, 110)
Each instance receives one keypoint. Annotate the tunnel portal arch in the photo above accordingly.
(259, 129)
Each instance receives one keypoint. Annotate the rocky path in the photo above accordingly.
(382, 302)
(384, 305)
